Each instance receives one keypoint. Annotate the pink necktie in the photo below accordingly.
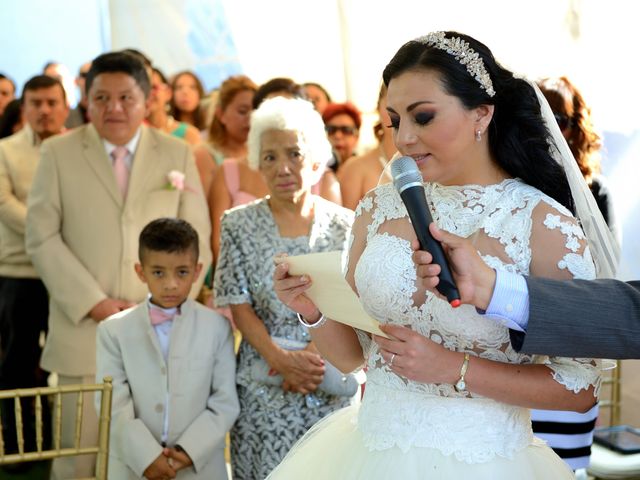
(158, 316)
(120, 169)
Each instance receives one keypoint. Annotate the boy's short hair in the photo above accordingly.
(170, 235)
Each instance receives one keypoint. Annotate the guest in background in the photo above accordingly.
(364, 173)
(317, 95)
(342, 123)
(61, 72)
(328, 186)
(236, 183)
(230, 126)
(187, 93)
(574, 119)
(24, 301)
(7, 91)
(95, 188)
(570, 434)
(229, 129)
(173, 352)
(278, 87)
(287, 144)
(158, 105)
(11, 120)
(78, 116)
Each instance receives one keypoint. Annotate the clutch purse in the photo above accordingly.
(334, 381)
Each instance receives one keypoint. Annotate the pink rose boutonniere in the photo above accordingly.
(175, 180)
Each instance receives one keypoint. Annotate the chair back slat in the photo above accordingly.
(19, 432)
(1, 441)
(40, 453)
(57, 421)
(610, 394)
(39, 425)
(102, 459)
(76, 436)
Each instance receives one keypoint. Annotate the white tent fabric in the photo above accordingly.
(344, 44)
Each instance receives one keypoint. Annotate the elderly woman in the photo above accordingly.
(280, 372)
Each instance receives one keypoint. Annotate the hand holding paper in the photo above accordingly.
(328, 291)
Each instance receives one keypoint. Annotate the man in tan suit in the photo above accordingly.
(95, 189)
(24, 305)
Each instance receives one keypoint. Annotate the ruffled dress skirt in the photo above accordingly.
(335, 449)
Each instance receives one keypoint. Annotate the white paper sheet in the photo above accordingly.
(330, 291)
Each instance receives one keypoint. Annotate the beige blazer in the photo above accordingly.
(19, 155)
(83, 238)
(198, 380)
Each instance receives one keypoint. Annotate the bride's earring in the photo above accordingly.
(478, 136)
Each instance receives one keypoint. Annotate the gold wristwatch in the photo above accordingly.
(461, 385)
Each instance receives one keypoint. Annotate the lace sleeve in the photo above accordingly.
(355, 246)
(558, 245)
(559, 250)
(357, 238)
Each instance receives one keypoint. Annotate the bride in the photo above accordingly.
(480, 142)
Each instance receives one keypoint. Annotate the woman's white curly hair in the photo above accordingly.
(292, 114)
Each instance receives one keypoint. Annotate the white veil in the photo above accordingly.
(385, 176)
(602, 244)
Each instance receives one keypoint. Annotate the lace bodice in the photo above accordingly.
(514, 227)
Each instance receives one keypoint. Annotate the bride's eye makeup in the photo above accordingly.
(423, 118)
(419, 118)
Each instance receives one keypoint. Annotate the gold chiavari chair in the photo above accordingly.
(56, 451)
(611, 399)
(616, 395)
(606, 463)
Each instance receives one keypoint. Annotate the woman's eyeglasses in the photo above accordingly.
(344, 129)
(563, 121)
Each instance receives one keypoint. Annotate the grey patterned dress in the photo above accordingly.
(270, 420)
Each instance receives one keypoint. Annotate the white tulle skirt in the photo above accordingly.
(334, 449)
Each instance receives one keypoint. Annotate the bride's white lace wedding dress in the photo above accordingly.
(409, 430)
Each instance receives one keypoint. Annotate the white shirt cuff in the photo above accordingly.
(510, 301)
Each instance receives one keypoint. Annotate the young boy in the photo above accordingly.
(173, 368)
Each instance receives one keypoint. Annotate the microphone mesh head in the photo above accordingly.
(405, 172)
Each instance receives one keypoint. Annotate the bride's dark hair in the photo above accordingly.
(518, 137)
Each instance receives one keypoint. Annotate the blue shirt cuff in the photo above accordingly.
(510, 301)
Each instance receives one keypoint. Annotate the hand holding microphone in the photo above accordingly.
(408, 182)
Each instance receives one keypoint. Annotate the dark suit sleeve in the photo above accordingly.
(582, 318)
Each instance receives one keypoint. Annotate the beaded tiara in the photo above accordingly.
(466, 55)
